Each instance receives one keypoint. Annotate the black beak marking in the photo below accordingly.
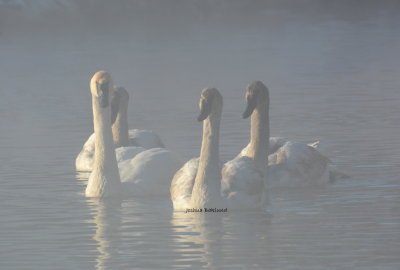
(251, 105)
(114, 106)
(104, 102)
(205, 110)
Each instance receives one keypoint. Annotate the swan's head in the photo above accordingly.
(210, 101)
(256, 93)
(102, 88)
(119, 102)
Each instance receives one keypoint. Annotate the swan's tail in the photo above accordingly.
(314, 144)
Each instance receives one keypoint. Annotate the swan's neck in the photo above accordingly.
(207, 186)
(259, 137)
(120, 130)
(104, 179)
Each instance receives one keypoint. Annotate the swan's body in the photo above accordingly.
(297, 164)
(145, 139)
(148, 172)
(243, 183)
(182, 185)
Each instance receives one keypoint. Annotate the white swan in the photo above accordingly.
(147, 173)
(290, 163)
(198, 183)
(244, 176)
(104, 181)
(144, 139)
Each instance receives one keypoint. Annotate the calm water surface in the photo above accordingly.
(333, 80)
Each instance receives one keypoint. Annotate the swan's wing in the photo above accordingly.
(182, 184)
(297, 164)
(145, 138)
(242, 184)
(275, 143)
(84, 160)
(149, 172)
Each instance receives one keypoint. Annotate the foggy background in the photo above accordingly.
(179, 16)
(314, 56)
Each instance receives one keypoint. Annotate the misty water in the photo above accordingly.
(333, 79)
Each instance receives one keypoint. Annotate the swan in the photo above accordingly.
(244, 176)
(200, 182)
(104, 181)
(147, 172)
(290, 163)
(142, 139)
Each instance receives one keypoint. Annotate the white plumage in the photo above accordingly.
(149, 172)
(297, 164)
(242, 184)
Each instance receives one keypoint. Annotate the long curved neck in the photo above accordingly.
(104, 179)
(207, 186)
(120, 130)
(259, 137)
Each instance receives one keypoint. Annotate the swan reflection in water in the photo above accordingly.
(215, 240)
(197, 239)
(107, 223)
(131, 233)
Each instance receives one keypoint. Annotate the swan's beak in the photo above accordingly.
(114, 106)
(251, 105)
(205, 110)
(104, 90)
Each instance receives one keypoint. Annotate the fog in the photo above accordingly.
(178, 16)
(332, 69)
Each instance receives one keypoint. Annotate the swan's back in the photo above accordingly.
(182, 184)
(149, 172)
(275, 143)
(145, 138)
(242, 184)
(297, 164)
(128, 152)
